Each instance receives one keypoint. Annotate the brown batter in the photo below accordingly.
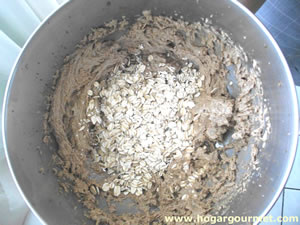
(216, 112)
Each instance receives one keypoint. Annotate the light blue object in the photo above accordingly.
(61, 1)
(291, 207)
(17, 20)
(9, 51)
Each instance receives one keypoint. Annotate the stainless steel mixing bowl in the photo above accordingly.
(43, 54)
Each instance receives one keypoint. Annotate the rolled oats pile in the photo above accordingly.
(142, 121)
(146, 121)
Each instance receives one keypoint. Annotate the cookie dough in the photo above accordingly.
(203, 180)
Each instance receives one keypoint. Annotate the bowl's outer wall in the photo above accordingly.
(32, 79)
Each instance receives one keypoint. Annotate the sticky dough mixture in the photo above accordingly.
(198, 178)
